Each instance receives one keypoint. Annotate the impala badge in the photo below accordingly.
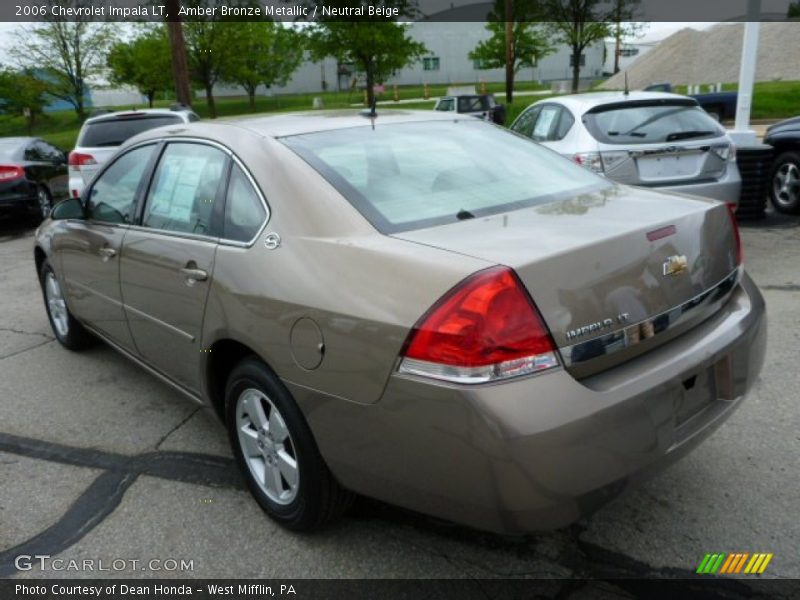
(675, 265)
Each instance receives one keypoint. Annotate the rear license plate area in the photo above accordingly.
(667, 167)
(697, 393)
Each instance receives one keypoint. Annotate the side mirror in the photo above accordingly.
(71, 208)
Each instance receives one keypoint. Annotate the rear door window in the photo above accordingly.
(113, 132)
(649, 123)
(185, 189)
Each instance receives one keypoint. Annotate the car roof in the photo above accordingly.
(16, 140)
(137, 111)
(583, 102)
(298, 123)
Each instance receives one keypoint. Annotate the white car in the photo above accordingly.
(649, 139)
(101, 135)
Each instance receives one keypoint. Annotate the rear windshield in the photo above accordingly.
(415, 175)
(475, 103)
(113, 132)
(648, 124)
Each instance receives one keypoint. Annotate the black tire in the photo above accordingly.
(781, 201)
(76, 337)
(318, 498)
(44, 202)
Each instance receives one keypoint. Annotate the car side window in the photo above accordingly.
(545, 125)
(34, 151)
(446, 104)
(185, 188)
(112, 197)
(50, 153)
(565, 123)
(524, 125)
(244, 210)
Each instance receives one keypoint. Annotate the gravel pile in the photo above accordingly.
(712, 56)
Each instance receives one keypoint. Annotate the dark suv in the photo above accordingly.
(784, 189)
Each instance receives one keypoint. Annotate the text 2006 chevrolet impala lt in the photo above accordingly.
(426, 309)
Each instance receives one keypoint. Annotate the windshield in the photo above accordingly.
(415, 175)
(113, 132)
(649, 124)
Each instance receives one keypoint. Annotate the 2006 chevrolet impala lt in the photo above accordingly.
(373, 307)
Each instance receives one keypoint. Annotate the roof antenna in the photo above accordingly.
(627, 90)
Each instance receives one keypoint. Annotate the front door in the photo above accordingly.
(168, 260)
(91, 250)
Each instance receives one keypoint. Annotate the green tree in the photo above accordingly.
(529, 43)
(262, 53)
(794, 10)
(22, 94)
(577, 24)
(144, 63)
(67, 52)
(377, 48)
(208, 48)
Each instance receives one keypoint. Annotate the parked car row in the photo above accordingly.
(34, 174)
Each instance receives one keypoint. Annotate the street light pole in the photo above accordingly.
(742, 134)
(509, 5)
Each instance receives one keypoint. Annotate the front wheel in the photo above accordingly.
(68, 331)
(277, 453)
(785, 189)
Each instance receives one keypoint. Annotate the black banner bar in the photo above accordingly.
(371, 10)
(358, 589)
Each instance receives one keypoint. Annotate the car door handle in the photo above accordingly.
(107, 253)
(193, 275)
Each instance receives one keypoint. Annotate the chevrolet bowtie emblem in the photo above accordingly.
(675, 265)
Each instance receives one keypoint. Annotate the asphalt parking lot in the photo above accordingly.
(99, 460)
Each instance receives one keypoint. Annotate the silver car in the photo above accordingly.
(649, 139)
(102, 135)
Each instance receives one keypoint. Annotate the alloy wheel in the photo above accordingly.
(786, 185)
(56, 305)
(44, 202)
(267, 446)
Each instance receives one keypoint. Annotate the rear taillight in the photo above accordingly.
(11, 172)
(486, 328)
(78, 159)
(736, 237)
(590, 160)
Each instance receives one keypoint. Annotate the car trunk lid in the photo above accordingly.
(606, 264)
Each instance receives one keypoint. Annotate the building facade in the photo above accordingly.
(447, 62)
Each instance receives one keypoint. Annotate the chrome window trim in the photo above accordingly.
(218, 240)
(267, 214)
(701, 305)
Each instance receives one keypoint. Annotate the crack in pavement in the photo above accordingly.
(178, 426)
(28, 349)
(21, 332)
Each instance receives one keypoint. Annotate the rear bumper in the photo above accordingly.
(728, 189)
(539, 452)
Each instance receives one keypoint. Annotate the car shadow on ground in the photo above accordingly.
(772, 220)
(15, 227)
